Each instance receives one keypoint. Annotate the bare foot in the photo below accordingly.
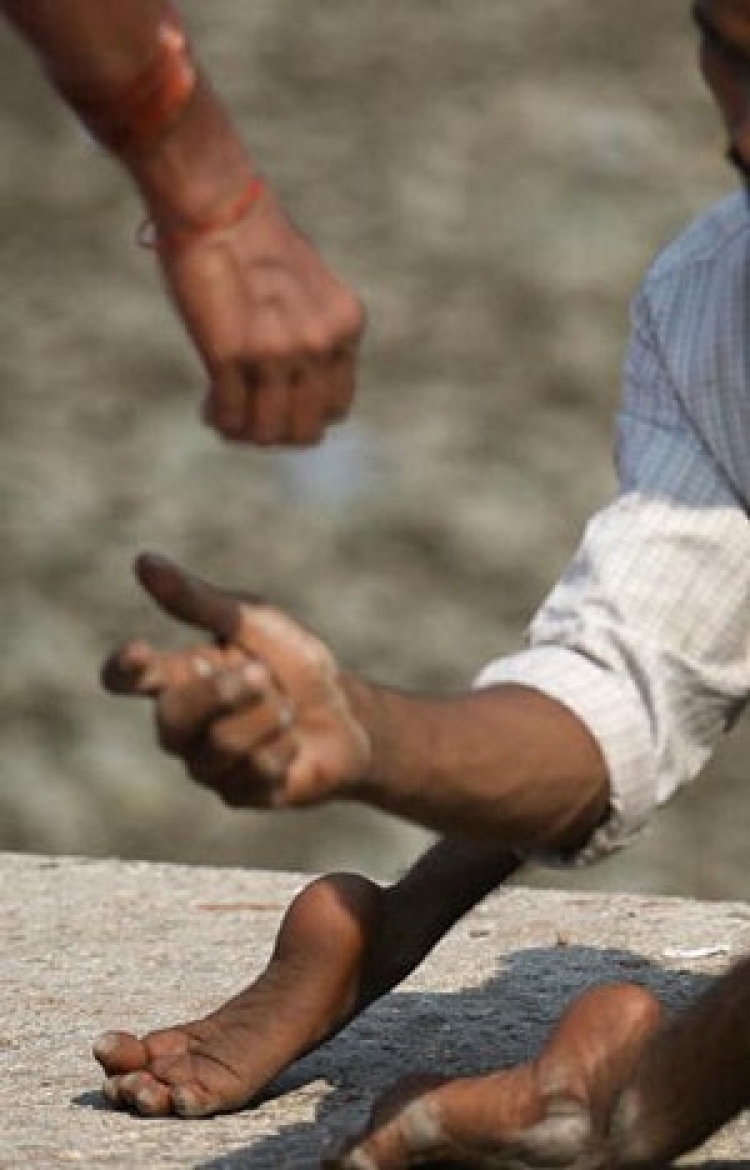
(313, 984)
(549, 1112)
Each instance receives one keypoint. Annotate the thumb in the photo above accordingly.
(188, 598)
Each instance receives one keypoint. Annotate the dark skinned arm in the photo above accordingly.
(276, 331)
(272, 721)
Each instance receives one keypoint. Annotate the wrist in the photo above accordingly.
(359, 706)
(172, 232)
(197, 172)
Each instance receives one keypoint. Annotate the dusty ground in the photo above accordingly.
(493, 178)
(115, 945)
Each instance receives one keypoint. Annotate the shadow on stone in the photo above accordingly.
(468, 1032)
(94, 1099)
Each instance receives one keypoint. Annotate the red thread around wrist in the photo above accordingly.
(177, 233)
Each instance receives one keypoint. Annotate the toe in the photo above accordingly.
(154, 1100)
(140, 1092)
(492, 1120)
(119, 1052)
(354, 1160)
(193, 1101)
(408, 1138)
(563, 1138)
(199, 1086)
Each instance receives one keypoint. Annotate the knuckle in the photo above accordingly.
(271, 351)
(320, 342)
(269, 342)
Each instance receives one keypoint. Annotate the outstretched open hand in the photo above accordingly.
(258, 713)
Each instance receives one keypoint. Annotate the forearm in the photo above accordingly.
(103, 44)
(95, 52)
(506, 765)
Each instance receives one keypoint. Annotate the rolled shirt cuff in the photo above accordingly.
(608, 704)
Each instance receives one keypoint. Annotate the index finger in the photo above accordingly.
(187, 598)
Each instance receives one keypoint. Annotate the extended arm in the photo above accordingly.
(268, 719)
(276, 331)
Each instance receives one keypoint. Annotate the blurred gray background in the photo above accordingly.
(493, 179)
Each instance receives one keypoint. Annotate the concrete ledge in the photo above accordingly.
(88, 945)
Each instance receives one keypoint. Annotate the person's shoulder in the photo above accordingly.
(719, 236)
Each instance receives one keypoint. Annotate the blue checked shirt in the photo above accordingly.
(646, 637)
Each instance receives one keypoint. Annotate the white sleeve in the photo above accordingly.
(646, 637)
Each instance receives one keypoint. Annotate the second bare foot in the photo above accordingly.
(549, 1112)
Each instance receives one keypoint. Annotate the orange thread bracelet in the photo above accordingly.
(180, 233)
(139, 114)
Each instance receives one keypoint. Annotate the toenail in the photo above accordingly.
(351, 1160)
(105, 1044)
(145, 1101)
(356, 1160)
(559, 1138)
(422, 1123)
(109, 1088)
(187, 1104)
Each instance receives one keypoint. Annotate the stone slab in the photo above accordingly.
(86, 945)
